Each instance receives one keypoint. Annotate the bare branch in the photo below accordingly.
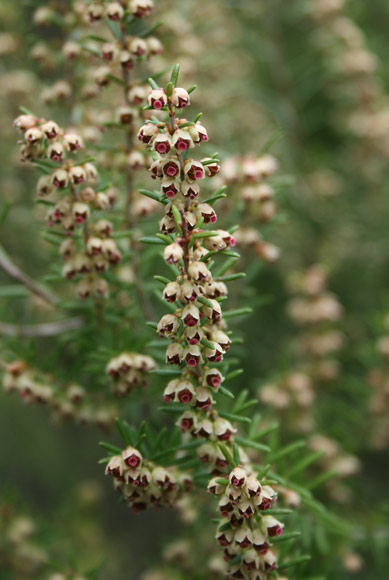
(15, 272)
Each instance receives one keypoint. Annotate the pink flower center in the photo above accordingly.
(232, 242)
(213, 219)
(198, 174)
(192, 362)
(133, 461)
(185, 397)
(182, 145)
(79, 219)
(186, 424)
(161, 147)
(170, 193)
(216, 381)
(157, 104)
(193, 340)
(171, 170)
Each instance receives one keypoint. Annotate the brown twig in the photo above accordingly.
(15, 272)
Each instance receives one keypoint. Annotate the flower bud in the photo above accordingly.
(215, 488)
(77, 175)
(115, 466)
(169, 393)
(201, 132)
(140, 8)
(243, 537)
(154, 45)
(55, 152)
(271, 526)
(207, 212)
(211, 169)
(215, 354)
(125, 115)
(132, 457)
(190, 189)
(72, 142)
(225, 506)
(24, 122)
(180, 97)
(174, 353)
(252, 486)
(213, 312)
(194, 335)
(138, 47)
(190, 315)
(161, 144)
(110, 251)
(238, 477)
(185, 392)
(114, 11)
(181, 141)
(259, 542)
(162, 478)
(193, 169)
(33, 135)
(198, 271)
(171, 167)
(137, 95)
(222, 339)
(168, 325)
(172, 292)
(147, 132)
(192, 355)
(44, 185)
(173, 253)
(269, 561)
(223, 429)
(50, 129)
(204, 398)
(187, 421)
(157, 99)
(80, 212)
(126, 59)
(213, 378)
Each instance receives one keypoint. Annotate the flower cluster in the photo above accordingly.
(144, 484)
(353, 69)
(248, 178)
(65, 403)
(20, 552)
(315, 310)
(90, 253)
(117, 11)
(339, 462)
(196, 328)
(293, 391)
(129, 370)
(246, 531)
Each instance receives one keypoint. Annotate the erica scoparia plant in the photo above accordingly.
(198, 341)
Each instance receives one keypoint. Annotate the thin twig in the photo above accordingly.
(15, 272)
(42, 330)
